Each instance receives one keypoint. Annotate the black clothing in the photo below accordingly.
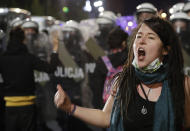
(96, 81)
(20, 118)
(17, 69)
(18, 72)
(65, 76)
(137, 120)
(2, 109)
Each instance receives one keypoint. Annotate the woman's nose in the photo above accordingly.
(142, 40)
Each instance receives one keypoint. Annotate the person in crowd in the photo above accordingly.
(2, 102)
(145, 11)
(37, 42)
(17, 69)
(70, 70)
(180, 21)
(152, 90)
(117, 45)
(106, 22)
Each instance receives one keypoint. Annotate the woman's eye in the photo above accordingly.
(138, 36)
(151, 38)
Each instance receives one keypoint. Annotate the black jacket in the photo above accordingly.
(17, 68)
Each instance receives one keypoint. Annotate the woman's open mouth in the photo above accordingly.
(141, 53)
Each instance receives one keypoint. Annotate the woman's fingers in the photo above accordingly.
(59, 97)
(56, 98)
(59, 88)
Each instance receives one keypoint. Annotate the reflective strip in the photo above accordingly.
(19, 100)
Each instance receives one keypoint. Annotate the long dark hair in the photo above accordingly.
(128, 81)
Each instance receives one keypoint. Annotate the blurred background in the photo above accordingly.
(79, 36)
(82, 9)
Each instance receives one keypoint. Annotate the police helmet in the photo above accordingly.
(146, 7)
(30, 24)
(106, 17)
(176, 8)
(186, 7)
(16, 22)
(179, 16)
(71, 25)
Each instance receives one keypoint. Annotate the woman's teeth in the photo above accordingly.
(141, 52)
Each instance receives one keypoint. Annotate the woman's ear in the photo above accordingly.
(166, 50)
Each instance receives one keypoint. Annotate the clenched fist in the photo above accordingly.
(62, 101)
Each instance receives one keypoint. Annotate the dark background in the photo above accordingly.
(54, 7)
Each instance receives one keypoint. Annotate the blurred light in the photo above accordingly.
(127, 23)
(163, 15)
(57, 22)
(3, 10)
(27, 19)
(101, 9)
(61, 24)
(49, 18)
(87, 6)
(130, 23)
(17, 10)
(65, 9)
(98, 3)
(171, 10)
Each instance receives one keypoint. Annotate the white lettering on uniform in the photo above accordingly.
(59, 72)
(69, 72)
(90, 67)
(41, 77)
(80, 73)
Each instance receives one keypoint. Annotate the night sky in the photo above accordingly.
(54, 7)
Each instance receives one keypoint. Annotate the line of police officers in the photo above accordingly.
(75, 60)
(77, 47)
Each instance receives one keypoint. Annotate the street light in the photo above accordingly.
(98, 3)
(101, 9)
(87, 6)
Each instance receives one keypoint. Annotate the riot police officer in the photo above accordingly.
(180, 21)
(70, 72)
(145, 11)
(106, 21)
